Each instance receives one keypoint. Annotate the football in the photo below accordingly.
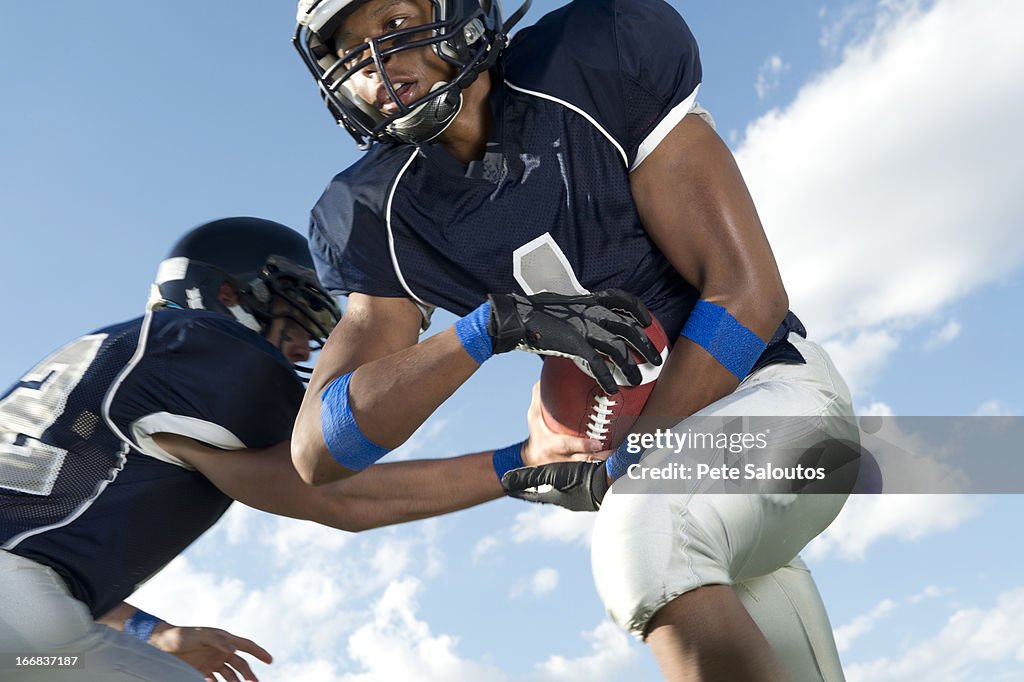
(572, 402)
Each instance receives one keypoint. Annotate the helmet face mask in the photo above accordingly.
(263, 262)
(308, 305)
(468, 35)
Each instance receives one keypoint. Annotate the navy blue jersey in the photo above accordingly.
(83, 487)
(578, 101)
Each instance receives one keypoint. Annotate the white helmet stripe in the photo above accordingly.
(194, 298)
(171, 269)
(316, 13)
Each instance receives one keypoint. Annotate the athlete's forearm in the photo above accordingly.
(690, 380)
(383, 494)
(380, 404)
(127, 618)
(378, 381)
(397, 492)
(115, 617)
(392, 397)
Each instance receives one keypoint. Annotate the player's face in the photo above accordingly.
(287, 335)
(412, 72)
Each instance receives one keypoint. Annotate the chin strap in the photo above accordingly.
(516, 16)
(414, 128)
(422, 123)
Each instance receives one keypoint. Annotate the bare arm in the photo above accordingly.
(115, 617)
(381, 495)
(696, 207)
(396, 382)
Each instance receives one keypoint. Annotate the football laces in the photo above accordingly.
(600, 420)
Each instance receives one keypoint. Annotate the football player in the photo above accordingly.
(121, 448)
(574, 158)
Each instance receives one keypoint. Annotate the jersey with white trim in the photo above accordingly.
(83, 491)
(577, 100)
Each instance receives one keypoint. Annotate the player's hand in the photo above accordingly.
(210, 650)
(577, 486)
(544, 446)
(582, 327)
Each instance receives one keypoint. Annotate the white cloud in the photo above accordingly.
(297, 574)
(862, 624)
(770, 75)
(364, 604)
(612, 652)
(868, 519)
(237, 523)
(424, 442)
(553, 524)
(971, 638)
(290, 538)
(943, 336)
(994, 408)
(209, 595)
(930, 592)
(541, 523)
(314, 670)
(865, 623)
(275, 615)
(396, 645)
(367, 562)
(543, 581)
(484, 546)
(851, 19)
(876, 409)
(889, 186)
(860, 357)
(856, 20)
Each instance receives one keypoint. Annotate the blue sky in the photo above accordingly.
(881, 142)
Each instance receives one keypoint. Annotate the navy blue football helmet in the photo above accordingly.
(468, 34)
(261, 260)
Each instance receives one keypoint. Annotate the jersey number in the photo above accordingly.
(27, 464)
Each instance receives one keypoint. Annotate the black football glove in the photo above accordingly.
(577, 486)
(578, 327)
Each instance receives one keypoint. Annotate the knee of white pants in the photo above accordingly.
(789, 612)
(649, 549)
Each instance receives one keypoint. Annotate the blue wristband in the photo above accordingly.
(507, 459)
(621, 460)
(472, 332)
(719, 333)
(346, 443)
(141, 624)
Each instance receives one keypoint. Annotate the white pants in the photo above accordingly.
(39, 617)
(649, 548)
